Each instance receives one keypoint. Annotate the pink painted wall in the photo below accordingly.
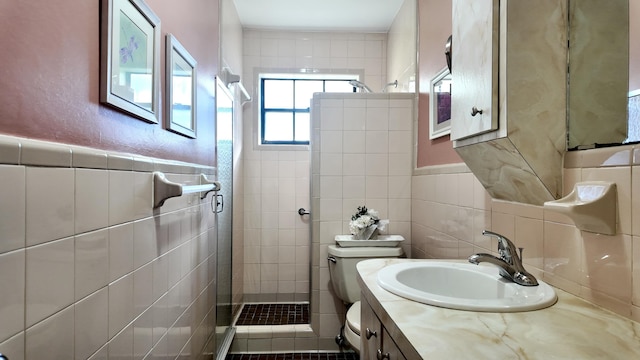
(435, 27)
(50, 77)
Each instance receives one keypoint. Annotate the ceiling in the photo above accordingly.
(318, 15)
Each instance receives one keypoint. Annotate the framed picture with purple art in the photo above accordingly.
(130, 58)
(440, 105)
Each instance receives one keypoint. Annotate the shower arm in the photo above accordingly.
(394, 83)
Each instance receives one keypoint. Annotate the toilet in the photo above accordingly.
(343, 274)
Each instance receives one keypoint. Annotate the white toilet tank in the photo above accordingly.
(342, 267)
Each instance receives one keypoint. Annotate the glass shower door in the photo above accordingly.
(224, 164)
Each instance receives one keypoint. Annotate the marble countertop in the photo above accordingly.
(570, 329)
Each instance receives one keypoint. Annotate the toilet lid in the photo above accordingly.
(353, 317)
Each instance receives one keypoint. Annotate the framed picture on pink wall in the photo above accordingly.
(440, 105)
(181, 89)
(130, 58)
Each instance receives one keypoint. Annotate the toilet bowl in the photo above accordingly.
(343, 274)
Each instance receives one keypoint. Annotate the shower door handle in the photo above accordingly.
(219, 205)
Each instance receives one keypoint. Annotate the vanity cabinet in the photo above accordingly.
(376, 341)
(509, 95)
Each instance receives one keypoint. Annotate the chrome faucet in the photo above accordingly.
(509, 262)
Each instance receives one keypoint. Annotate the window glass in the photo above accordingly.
(303, 127)
(278, 94)
(278, 126)
(338, 86)
(285, 106)
(304, 92)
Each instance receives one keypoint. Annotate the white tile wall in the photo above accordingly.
(276, 181)
(367, 173)
(88, 269)
(599, 268)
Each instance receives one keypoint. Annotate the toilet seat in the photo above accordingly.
(352, 326)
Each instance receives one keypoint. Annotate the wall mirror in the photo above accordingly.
(599, 77)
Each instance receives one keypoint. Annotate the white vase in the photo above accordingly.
(366, 233)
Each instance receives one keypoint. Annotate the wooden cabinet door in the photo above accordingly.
(390, 349)
(474, 69)
(370, 331)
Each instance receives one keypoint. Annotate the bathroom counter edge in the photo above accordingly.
(572, 328)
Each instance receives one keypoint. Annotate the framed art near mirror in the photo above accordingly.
(440, 105)
(130, 63)
(181, 89)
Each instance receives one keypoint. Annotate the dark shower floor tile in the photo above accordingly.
(274, 314)
(294, 356)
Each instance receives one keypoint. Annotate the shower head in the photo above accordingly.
(360, 85)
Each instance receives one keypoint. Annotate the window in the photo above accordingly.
(284, 107)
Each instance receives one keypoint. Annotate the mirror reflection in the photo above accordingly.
(599, 74)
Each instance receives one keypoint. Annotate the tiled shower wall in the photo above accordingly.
(276, 238)
(450, 209)
(88, 269)
(362, 154)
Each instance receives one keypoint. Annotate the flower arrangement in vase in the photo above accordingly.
(365, 223)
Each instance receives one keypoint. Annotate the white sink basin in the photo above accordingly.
(463, 286)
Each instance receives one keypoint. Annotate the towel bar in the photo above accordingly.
(164, 189)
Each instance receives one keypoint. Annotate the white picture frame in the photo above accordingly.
(440, 104)
(130, 58)
(181, 91)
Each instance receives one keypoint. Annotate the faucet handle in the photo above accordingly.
(506, 248)
(520, 249)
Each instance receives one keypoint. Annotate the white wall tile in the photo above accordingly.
(9, 150)
(49, 279)
(400, 165)
(353, 142)
(120, 250)
(354, 164)
(52, 338)
(91, 323)
(121, 345)
(400, 142)
(377, 164)
(144, 242)
(355, 117)
(377, 119)
(57, 249)
(331, 141)
(91, 201)
(142, 194)
(400, 118)
(142, 288)
(14, 347)
(91, 262)
(121, 307)
(12, 218)
(50, 204)
(355, 49)
(12, 301)
(377, 142)
(330, 187)
(121, 191)
(332, 118)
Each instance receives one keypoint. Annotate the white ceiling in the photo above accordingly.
(318, 15)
